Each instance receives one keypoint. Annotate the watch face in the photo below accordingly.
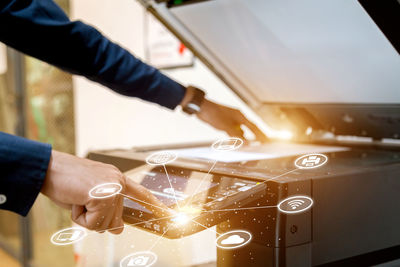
(193, 108)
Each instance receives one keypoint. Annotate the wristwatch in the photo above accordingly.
(194, 104)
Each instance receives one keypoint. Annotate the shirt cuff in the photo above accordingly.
(24, 165)
(170, 94)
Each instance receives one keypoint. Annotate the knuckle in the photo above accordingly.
(114, 173)
(91, 226)
(120, 178)
(115, 168)
(74, 219)
(111, 167)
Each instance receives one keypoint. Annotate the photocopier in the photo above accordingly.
(328, 72)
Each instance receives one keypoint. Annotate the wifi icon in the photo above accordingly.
(294, 204)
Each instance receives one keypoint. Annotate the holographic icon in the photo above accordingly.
(227, 144)
(161, 158)
(68, 236)
(142, 259)
(233, 239)
(138, 261)
(311, 161)
(105, 190)
(295, 204)
(108, 190)
(3, 199)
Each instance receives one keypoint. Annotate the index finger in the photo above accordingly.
(260, 136)
(143, 196)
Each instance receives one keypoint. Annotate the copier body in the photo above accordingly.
(324, 71)
(354, 218)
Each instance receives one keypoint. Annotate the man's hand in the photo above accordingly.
(69, 180)
(228, 119)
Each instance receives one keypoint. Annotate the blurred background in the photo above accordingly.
(75, 115)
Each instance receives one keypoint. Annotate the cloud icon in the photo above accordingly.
(233, 240)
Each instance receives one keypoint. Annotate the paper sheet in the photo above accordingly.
(3, 59)
(249, 153)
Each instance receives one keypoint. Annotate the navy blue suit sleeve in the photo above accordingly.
(23, 165)
(41, 29)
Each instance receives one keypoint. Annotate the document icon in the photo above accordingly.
(227, 144)
(69, 236)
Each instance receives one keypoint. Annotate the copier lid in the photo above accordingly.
(312, 63)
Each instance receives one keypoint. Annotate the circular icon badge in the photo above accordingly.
(227, 144)
(161, 158)
(311, 161)
(68, 236)
(295, 204)
(233, 239)
(3, 199)
(105, 190)
(142, 259)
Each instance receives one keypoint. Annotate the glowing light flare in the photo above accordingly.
(281, 134)
(190, 210)
(181, 219)
(185, 214)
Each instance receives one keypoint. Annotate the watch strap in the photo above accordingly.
(193, 105)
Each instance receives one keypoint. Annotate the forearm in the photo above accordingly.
(40, 28)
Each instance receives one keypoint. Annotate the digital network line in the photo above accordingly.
(170, 184)
(143, 202)
(191, 198)
(202, 180)
(159, 238)
(280, 175)
(247, 208)
(283, 206)
(133, 224)
(207, 228)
